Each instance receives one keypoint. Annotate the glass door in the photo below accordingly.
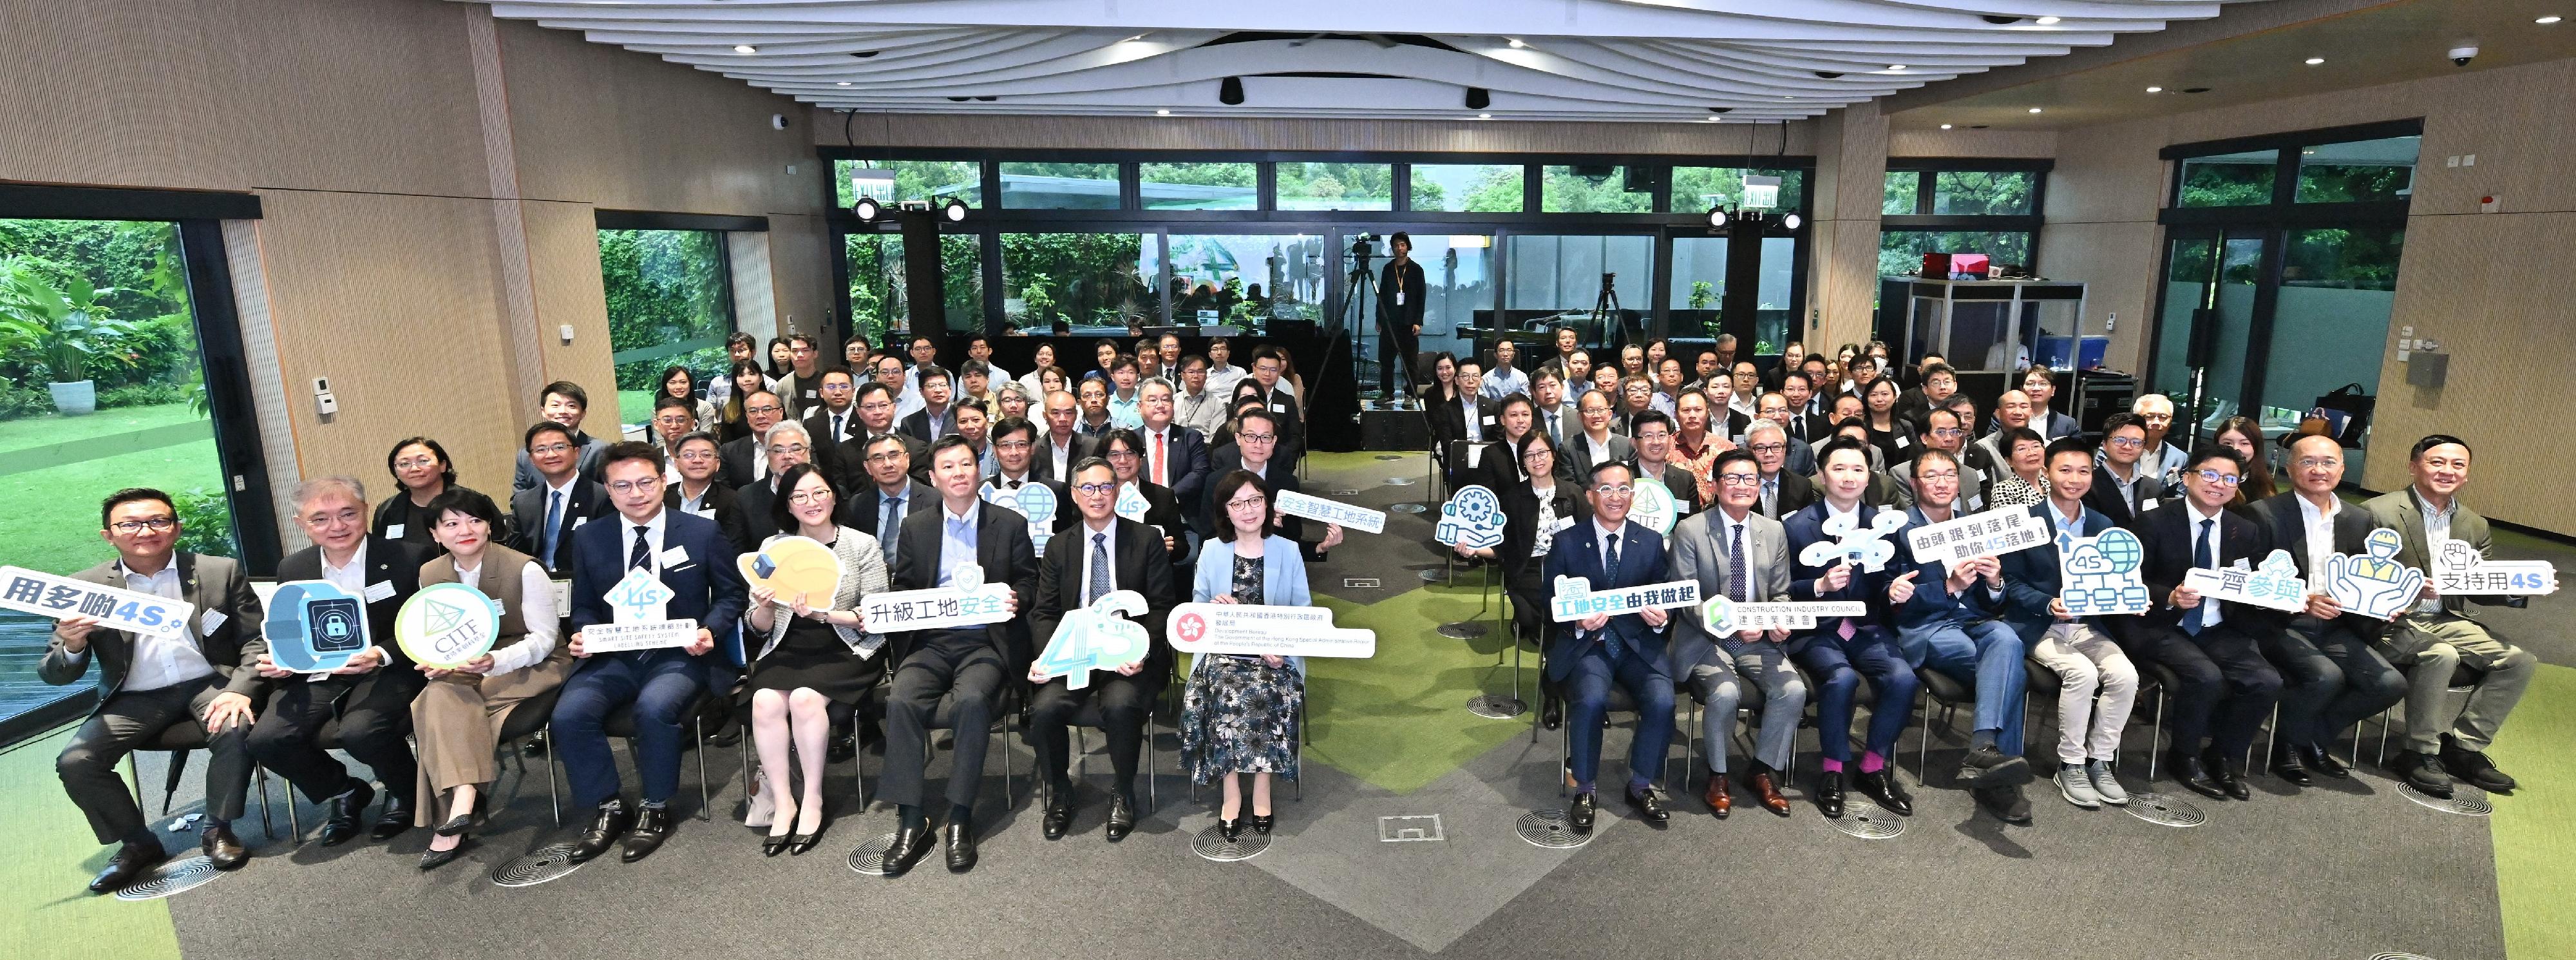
(2338, 287)
(2210, 286)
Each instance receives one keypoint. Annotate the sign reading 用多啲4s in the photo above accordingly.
(47, 595)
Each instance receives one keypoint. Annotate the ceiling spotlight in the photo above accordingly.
(843, 83)
(955, 210)
(1230, 91)
(1517, 44)
(2047, 21)
(1484, 116)
(1896, 66)
(2195, 89)
(1708, 119)
(1945, 126)
(864, 54)
(1828, 75)
(1791, 221)
(2000, 20)
(745, 48)
(2553, 18)
(2313, 61)
(1717, 217)
(866, 210)
(2155, 89)
(1135, 38)
(1162, 113)
(2034, 109)
(1479, 98)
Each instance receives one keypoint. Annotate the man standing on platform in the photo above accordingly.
(1401, 291)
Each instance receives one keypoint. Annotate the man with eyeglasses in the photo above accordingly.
(2436, 636)
(745, 461)
(698, 491)
(1784, 492)
(1590, 654)
(1839, 651)
(890, 371)
(1014, 466)
(802, 387)
(1222, 373)
(1598, 442)
(837, 418)
(370, 698)
(1775, 407)
(149, 683)
(784, 446)
(673, 418)
(1943, 432)
(1268, 364)
(1952, 626)
(925, 356)
(876, 408)
(1743, 556)
(1503, 380)
(963, 666)
(1468, 419)
(2333, 678)
(2041, 386)
(2121, 490)
(889, 494)
(691, 559)
(2161, 460)
(1652, 434)
(542, 518)
(2224, 689)
(1746, 381)
(1101, 553)
(1198, 405)
(566, 403)
(937, 417)
(973, 423)
(1940, 383)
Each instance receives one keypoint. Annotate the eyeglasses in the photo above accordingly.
(1256, 437)
(836, 388)
(550, 448)
(696, 456)
(1095, 488)
(886, 456)
(646, 485)
(807, 498)
(2318, 463)
(155, 524)
(1739, 479)
(1769, 447)
(769, 408)
(2221, 478)
(2128, 443)
(1949, 432)
(1012, 445)
(794, 449)
(1614, 489)
(322, 519)
(416, 463)
(1245, 503)
(1122, 455)
(1938, 475)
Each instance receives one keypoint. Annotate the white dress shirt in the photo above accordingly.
(2320, 527)
(2212, 614)
(161, 661)
(536, 612)
(653, 530)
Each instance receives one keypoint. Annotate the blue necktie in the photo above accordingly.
(642, 558)
(2191, 619)
(1099, 569)
(554, 521)
(1610, 570)
(887, 529)
(1735, 567)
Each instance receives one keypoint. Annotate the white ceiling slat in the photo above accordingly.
(1629, 60)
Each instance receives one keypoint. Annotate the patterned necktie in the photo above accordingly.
(1160, 458)
(642, 558)
(1552, 431)
(888, 526)
(2194, 617)
(1099, 569)
(1735, 567)
(554, 522)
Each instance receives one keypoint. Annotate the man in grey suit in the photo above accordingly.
(1744, 556)
(148, 684)
(2437, 635)
(1595, 444)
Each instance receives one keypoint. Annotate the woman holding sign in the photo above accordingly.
(1239, 714)
(814, 663)
(1533, 510)
(457, 718)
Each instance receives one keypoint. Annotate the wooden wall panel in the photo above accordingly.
(134, 112)
(563, 263)
(800, 270)
(1972, 143)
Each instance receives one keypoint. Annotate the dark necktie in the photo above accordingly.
(836, 428)
(1552, 432)
(1610, 571)
(2192, 618)
(888, 526)
(1099, 569)
(1735, 567)
(642, 558)
(554, 523)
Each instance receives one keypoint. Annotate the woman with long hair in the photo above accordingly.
(731, 425)
(682, 383)
(2245, 436)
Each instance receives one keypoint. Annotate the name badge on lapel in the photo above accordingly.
(380, 591)
(393, 531)
(673, 558)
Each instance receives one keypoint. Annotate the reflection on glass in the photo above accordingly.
(1900, 252)
(1560, 279)
(669, 304)
(1200, 186)
(2208, 273)
(1467, 187)
(1249, 281)
(1059, 186)
(1090, 282)
(1698, 285)
(1902, 189)
(909, 180)
(1982, 192)
(2330, 322)
(1336, 186)
(2230, 179)
(1604, 188)
(1696, 189)
(1772, 308)
(2359, 170)
(877, 300)
(1458, 276)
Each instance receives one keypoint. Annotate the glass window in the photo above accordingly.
(1082, 282)
(1699, 282)
(1902, 188)
(668, 306)
(893, 180)
(1060, 186)
(1200, 186)
(1467, 187)
(1695, 189)
(2359, 170)
(2330, 323)
(1458, 281)
(1982, 192)
(877, 300)
(1594, 189)
(1900, 252)
(2230, 179)
(1563, 276)
(1249, 281)
(1336, 186)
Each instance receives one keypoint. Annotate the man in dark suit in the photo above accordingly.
(1175, 456)
(937, 417)
(691, 558)
(966, 667)
(1256, 437)
(371, 697)
(1652, 432)
(1953, 626)
(1841, 650)
(787, 445)
(2120, 490)
(2097, 684)
(203, 674)
(543, 517)
(699, 492)
(2333, 678)
(876, 406)
(2041, 386)
(1590, 654)
(1014, 462)
(1102, 553)
(834, 422)
(1061, 446)
(1806, 422)
(889, 495)
(1783, 492)
(566, 403)
(743, 462)
(1596, 443)
(1268, 364)
(2224, 688)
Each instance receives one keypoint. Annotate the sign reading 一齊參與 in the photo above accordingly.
(2273, 585)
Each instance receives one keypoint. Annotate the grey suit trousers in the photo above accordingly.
(1764, 665)
(2428, 649)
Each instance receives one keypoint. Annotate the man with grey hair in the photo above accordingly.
(2162, 460)
(371, 696)
(784, 446)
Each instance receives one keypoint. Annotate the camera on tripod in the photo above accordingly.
(1363, 246)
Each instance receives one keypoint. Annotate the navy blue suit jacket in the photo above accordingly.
(707, 587)
(2030, 576)
(1807, 526)
(1189, 470)
(1577, 553)
(1933, 605)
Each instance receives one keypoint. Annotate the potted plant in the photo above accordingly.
(62, 329)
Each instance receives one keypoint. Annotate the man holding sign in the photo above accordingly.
(202, 673)
(2335, 678)
(2225, 689)
(1840, 650)
(1952, 626)
(1102, 554)
(689, 557)
(1742, 556)
(1591, 653)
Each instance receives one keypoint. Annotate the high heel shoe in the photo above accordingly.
(1261, 823)
(805, 841)
(1230, 829)
(456, 825)
(434, 859)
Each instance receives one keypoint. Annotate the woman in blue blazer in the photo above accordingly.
(1239, 714)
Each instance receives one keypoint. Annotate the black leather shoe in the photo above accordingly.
(535, 745)
(1261, 823)
(652, 827)
(1551, 714)
(1579, 816)
(1230, 830)
(799, 844)
(773, 844)
(2323, 761)
(2286, 765)
(455, 825)
(841, 748)
(1059, 815)
(131, 862)
(1829, 793)
(395, 819)
(1122, 817)
(340, 825)
(434, 859)
(1881, 785)
(2194, 777)
(2422, 772)
(1649, 804)
(223, 848)
(1989, 768)
(2474, 767)
(612, 822)
(2230, 776)
(910, 845)
(960, 836)
(2006, 803)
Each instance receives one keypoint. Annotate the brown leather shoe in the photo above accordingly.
(1767, 793)
(1720, 801)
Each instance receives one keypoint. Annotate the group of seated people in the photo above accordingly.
(1755, 472)
(902, 505)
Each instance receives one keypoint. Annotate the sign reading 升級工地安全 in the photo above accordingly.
(966, 602)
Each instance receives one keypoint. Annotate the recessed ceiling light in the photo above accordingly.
(1484, 116)
(843, 83)
(1945, 126)
(1896, 66)
(745, 48)
(1162, 113)
(2313, 61)
(1708, 119)
(1135, 38)
(2553, 18)
(2034, 109)
(2046, 21)
(1516, 43)
(2155, 89)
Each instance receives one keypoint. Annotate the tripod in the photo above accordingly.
(1359, 290)
(1605, 314)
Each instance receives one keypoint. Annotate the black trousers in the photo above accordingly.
(2332, 679)
(1529, 603)
(375, 713)
(1397, 346)
(964, 668)
(2223, 687)
(1124, 702)
(133, 717)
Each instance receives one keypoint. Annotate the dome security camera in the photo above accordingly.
(2460, 56)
